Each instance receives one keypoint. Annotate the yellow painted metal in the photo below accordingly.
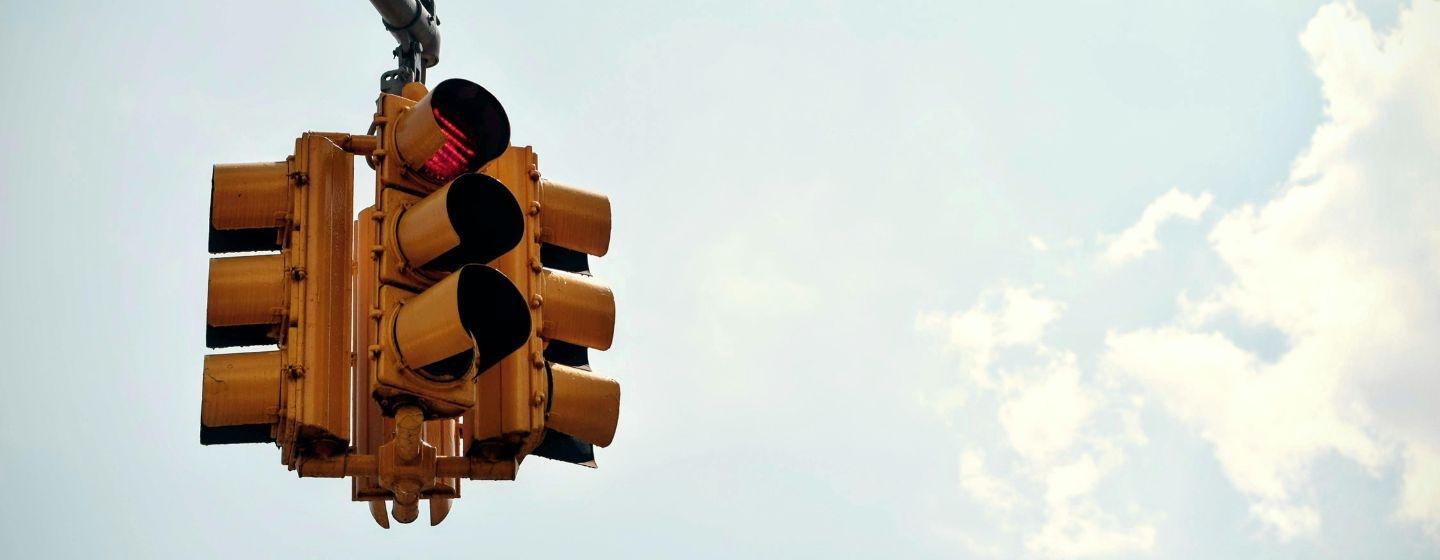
(241, 389)
(510, 416)
(453, 129)
(583, 404)
(394, 384)
(444, 435)
(407, 465)
(354, 464)
(424, 232)
(439, 509)
(393, 268)
(422, 350)
(510, 419)
(370, 427)
(427, 341)
(578, 309)
(475, 468)
(299, 298)
(417, 134)
(248, 290)
(249, 195)
(357, 144)
(412, 318)
(317, 348)
(391, 171)
(410, 330)
(574, 218)
(377, 511)
(428, 328)
(414, 91)
(469, 220)
(350, 464)
(391, 382)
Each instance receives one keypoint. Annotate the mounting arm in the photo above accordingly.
(417, 30)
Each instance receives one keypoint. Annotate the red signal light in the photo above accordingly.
(455, 129)
(453, 158)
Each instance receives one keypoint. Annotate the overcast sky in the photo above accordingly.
(894, 279)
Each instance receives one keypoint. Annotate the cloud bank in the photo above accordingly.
(1139, 239)
(1344, 262)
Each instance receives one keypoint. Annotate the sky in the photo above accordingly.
(905, 279)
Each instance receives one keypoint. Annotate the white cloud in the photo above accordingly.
(1043, 417)
(1267, 422)
(988, 489)
(1048, 413)
(978, 333)
(1139, 239)
(1343, 263)
(1038, 244)
(1420, 491)
(1020, 320)
(1087, 532)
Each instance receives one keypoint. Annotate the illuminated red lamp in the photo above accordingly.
(456, 129)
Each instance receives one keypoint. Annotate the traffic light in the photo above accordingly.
(441, 315)
(432, 315)
(545, 393)
(453, 317)
(295, 295)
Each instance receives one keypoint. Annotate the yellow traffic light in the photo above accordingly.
(574, 218)
(249, 203)
(372, 429)
(247, 301)
(453, 317)
(584, 405)
(297, 299)
(441, 316)
(434, 315)
(454, 129)
(544, 392)
(240, 397)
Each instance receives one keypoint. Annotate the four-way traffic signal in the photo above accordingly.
(447, 327)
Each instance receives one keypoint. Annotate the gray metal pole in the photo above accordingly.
(412, 22)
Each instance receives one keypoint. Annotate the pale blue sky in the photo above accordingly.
(906, 279)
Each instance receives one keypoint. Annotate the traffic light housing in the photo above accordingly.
(523, 401)
(441, 315)
(435, 315)
(466, 287)
(296, 299)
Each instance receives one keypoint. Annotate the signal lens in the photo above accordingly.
(455, 129)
